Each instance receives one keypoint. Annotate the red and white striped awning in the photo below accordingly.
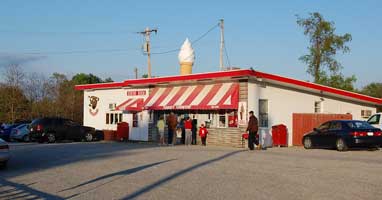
(131, 104)
(197, 97)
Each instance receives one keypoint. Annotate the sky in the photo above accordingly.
(99, 37)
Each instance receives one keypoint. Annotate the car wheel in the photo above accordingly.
(88, 137)
(307, 143)
(341, 145)
(26, 138)
(51, 138)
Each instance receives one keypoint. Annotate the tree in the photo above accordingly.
(83, 78)
(339, 81)
(35, 91)
(108, 80)
(14, 77)
(373, 89)
(324, 44)
(145, 76)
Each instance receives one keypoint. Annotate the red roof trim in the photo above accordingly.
(99, 86)
(234, 73)
(319, 87)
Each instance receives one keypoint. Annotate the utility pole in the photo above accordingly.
(146, 47)
(136, 72)
(221, 43)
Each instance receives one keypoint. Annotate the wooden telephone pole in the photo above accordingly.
(146, 47)
(221, 23)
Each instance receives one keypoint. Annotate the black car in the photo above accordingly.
(343, 134)
(54, 129)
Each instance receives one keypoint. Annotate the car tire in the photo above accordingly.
(51, 138)
(26, 138)
(307, 143)
(88, 137)
(341, 145)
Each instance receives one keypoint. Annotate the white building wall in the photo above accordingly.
(282, 103)
(115, 96)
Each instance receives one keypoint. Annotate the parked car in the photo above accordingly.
(343, 134)
(6, 130)
(54, 129)
(4, 153)
(375, 120)
(20, 133)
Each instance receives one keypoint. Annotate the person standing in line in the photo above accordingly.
(194, 129)
(203, 134)
(252, 129)
(188, 127)
(171, 124)
(160, 126)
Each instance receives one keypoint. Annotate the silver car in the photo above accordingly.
(20, 133)
(4, 153)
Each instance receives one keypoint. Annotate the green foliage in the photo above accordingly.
(145, 76)
(373, 89)
(324, 44)
(339, 81)
(83, 78)
(108, 80)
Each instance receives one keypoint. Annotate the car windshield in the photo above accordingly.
(359, 125)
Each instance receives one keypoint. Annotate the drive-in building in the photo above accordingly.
(221, 100)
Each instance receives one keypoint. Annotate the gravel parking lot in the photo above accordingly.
(102, 170)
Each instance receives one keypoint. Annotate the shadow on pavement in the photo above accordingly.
(33, 158)
(177, 174)
(22, 191)
(123, 173)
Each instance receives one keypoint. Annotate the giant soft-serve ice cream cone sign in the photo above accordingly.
(186, 58)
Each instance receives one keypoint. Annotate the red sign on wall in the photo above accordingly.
(136, 93)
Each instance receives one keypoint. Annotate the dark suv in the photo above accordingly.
(50, 130)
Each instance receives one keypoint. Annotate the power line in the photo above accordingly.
(63, 33)
(104, 50)
(75, 52)
(192, 42)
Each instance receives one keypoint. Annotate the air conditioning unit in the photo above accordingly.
(365, 113)
(112, 106)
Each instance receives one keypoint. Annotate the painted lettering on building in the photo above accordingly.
(136, 93)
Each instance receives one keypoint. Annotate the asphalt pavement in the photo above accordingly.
(103, 170)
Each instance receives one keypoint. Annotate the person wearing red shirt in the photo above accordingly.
(188, 128)
(203, 134)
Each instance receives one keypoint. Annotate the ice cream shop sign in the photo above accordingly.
(136, 93)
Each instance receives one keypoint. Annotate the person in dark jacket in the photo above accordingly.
(194, 129)
(171, 123)
(252, 129)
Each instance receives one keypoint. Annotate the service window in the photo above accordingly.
(116, 118)
(263, 113)
(120, 117)
(318, 107)
(111, 118)
(374, 119)
(135, 119)
(107, 118)
(222, 119)
(232, 119)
